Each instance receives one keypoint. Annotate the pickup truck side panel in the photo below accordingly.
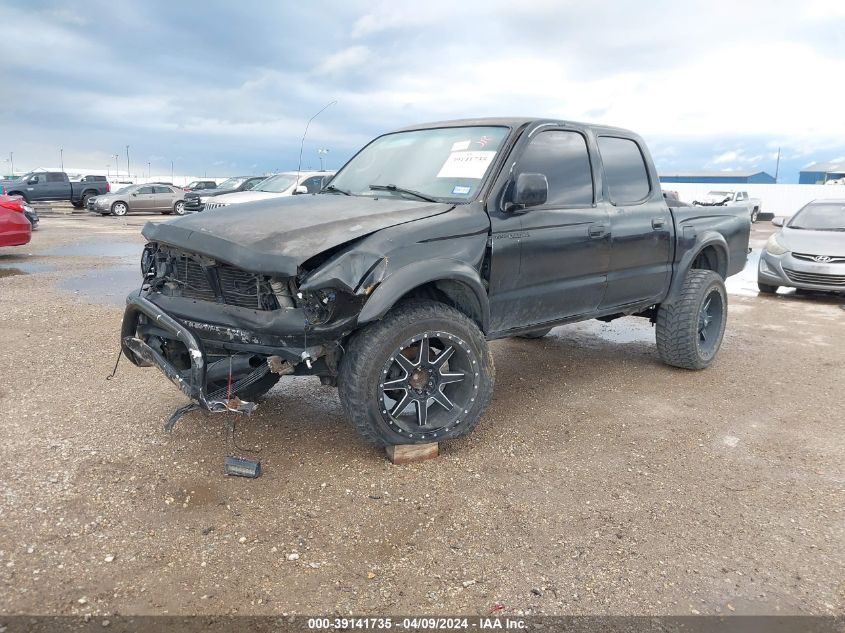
(53, 186)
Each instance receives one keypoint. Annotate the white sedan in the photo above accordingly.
(278, 186)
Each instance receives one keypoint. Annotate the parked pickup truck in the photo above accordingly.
(732, 199)
(390, 281)
(53, 185)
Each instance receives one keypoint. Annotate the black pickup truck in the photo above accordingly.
(54, 185)
(427, 244)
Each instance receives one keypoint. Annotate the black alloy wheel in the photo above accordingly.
(429, 383)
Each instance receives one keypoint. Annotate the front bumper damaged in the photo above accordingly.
(192, 381)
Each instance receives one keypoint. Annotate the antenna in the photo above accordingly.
(302, 144)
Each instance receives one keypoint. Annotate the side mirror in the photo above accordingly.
(530, 190)
(32, 181)
(325, 180)
(777, 221)
(300, 189)
(134, 193)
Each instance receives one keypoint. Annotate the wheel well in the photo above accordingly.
(93, 192)
(16, 193)
(711, 258)
(452, 293)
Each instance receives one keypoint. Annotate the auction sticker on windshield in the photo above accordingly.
(466, 164)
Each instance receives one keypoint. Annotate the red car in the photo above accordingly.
(15, 229)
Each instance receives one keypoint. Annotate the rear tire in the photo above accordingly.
(755, 212)
(766, 289)
(431, 399)
(84, 202)
(690, 330)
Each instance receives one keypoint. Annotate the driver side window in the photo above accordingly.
(563, 158)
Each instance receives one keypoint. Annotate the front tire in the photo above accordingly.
(755, 213)
(179, 207)
(424, 373)
(766, 289)
(119, 209)
(690, 330)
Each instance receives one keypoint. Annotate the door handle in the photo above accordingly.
(658, 223)
(597, 230)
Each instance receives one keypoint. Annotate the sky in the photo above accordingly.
(226, 88)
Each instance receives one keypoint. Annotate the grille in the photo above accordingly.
(812, 258)
(239, 287)
(814, 278)
(193, 204)
(215, 205)
(194, 281)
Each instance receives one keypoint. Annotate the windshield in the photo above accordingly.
(275, 184)
(128, 189)
(820, 216)
(231, 183)
(444, 164)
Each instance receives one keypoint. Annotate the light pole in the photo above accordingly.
(12, 162)
(62, 157)
(323, 153)
(149, 171)
(171, 171)
(116, 165)
(108, 167)
(127, 163)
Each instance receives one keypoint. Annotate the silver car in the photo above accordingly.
(808, 252)
(164, 199)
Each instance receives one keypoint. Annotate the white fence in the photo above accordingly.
(777, 199)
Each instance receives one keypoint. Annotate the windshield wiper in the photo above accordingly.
(410, 192)
(333, 189)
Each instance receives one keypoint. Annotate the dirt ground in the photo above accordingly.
(600, 480)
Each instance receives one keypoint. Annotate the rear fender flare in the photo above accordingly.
(406, 279)
(702, 241)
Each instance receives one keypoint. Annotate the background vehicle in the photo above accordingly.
(195, 200)
(161, 198)
(429, 242)
(93, 179)
(673, 199)
(732, 199)
(53, 185)
(278, 186)
(15, 228)
(196, 185)
(808, 252)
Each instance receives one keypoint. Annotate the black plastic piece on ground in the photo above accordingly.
(241, 467)
(173, 419)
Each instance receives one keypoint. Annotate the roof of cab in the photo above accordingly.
(511, 122)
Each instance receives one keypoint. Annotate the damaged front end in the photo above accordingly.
(224, 335)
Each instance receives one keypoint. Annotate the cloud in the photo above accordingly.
(236, 84)
(351, 58)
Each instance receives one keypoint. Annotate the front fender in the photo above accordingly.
(405, 279)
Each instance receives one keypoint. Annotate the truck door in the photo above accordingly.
(36, 186)
(57, 187)
(550, 261)
(640, 224)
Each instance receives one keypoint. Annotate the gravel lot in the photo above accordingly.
(600, 481)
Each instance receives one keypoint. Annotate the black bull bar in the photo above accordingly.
(142, 355)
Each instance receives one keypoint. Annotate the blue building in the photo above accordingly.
(820, 173)
(727, 177)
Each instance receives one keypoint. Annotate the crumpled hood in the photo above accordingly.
(276, 236)
(830, 243)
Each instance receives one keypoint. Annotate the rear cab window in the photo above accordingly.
(625, 171)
